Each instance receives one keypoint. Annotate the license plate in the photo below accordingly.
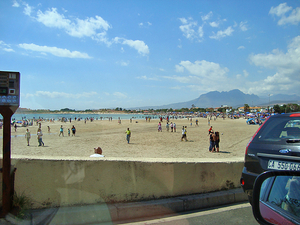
(283, 165)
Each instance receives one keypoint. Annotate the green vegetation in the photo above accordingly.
(286, 108)
(21, 203)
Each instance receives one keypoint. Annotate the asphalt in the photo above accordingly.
(117, 212)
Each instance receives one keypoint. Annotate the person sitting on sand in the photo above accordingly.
(98, 152)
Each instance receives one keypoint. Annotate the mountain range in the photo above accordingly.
(234, 98)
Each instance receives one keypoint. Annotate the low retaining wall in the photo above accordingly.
(56, 182)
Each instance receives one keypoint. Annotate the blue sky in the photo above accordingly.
(90, 54)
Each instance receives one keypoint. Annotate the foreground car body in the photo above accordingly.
(275, 146)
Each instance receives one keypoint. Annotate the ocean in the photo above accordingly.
(82, 116)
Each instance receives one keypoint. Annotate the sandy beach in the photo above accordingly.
(146, 141)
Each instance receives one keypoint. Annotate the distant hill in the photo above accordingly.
(234, 98)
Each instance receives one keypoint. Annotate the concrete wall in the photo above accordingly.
(57, 182)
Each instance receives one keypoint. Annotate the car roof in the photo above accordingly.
(293, 114)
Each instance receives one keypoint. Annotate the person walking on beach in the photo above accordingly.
(128, 135)
(159, 127)
(73, 130)
(40, 137)
(27, 136)
(174, 127)
(69, 132)
(171, 127)
(167, 126)
(61, 131)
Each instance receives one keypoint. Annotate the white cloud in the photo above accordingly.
(179, 69)
(281, 10)
(221, 34)
(243, 26)
(246, 74)
(287, 66)
(123, 63)
(179, 79)
(190, 30)
(241, 47)
(15, 4)
(147, 78)
(5, 47)
(55, 51)
(214, 24)
(27, 10)
(55, 94)
(140, 46)
(207, 16)
(120, 95)
(8, 49)
(204, 69)
(93, 27)
(77, 28)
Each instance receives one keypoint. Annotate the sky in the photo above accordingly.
(97, 54)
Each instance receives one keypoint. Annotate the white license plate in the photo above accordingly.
(283, 165)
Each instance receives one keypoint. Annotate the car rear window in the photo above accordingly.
(280, 129)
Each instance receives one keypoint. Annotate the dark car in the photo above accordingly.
(274, 146)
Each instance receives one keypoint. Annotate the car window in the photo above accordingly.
(280, 130)
(285, 194)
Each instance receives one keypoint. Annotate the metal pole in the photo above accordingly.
(6, 170)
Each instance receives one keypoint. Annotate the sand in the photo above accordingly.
(146, 141)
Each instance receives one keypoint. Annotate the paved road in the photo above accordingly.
(230, 214)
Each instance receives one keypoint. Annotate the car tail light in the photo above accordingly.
(295, 115)
(246, 152)
(242, 182)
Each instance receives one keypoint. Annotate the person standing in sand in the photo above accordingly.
(216, 139)
(40, 137)
(27, 136)
(128, 135)
(73, 130)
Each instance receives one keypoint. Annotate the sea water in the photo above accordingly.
(82, 116)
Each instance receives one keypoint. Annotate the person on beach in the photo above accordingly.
(211, 141)
(174, 127)
(48, 129)
(159, 127)
(73, 130)
(61, 131)
(128, 135)
(98, 152)
(40, 137)
(216, 140)
(171, 127)
(183, 134)
(27, 136)
(69, 132)
(167, 126)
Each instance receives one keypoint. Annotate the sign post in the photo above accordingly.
(9, 103)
